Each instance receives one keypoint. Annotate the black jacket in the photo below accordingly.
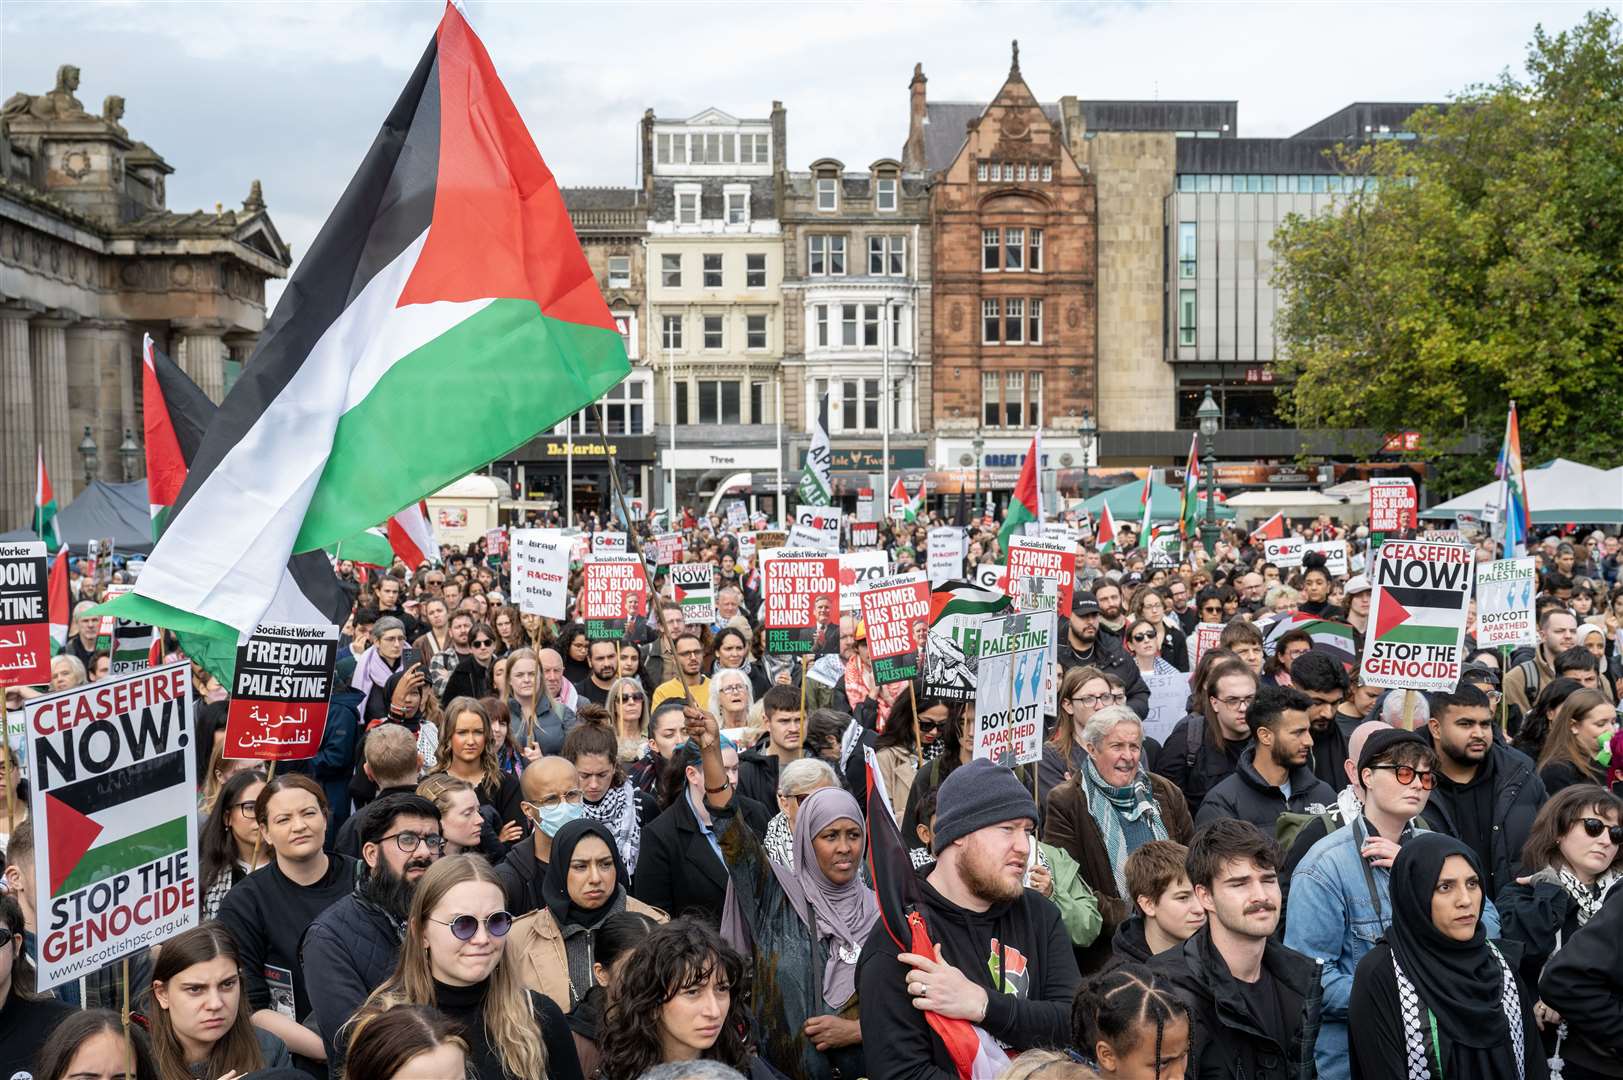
(520, 874)
(470, 679)
(1128, 945)
(348, 950)
(758, 776)
(1028, 1007)
(1584, 983)
(267, 914)
(1518, 794)
(1108, 658)
(1244, 794)
(1196, 770)
(24, 1027)
(1227, 1040)
(678, 871)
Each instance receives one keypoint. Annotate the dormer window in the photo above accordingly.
(885, 194)
(828, 194)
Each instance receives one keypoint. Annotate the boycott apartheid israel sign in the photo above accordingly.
(114, 810)
(1417, 617)
(279, 692)
(1504, 602)
(802, 589)
(613, 593)
(25, 632)
(1036, 557)
(896, 615)
(1014, 656)
(694, 585)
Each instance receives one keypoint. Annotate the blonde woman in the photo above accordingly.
(627, 704)
(468, 752)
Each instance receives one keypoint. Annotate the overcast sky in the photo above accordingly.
(293, 93)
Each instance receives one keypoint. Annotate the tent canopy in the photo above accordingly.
(1299, 504)
(1558, 492)
(1126, 508)
(116, 512)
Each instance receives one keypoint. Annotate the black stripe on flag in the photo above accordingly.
(1432, 598)
(143, 778)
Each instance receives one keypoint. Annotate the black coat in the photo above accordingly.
(1584, 983)
(348, 950)
(1199, 771)
(470, 679)
(1108, 657)
(1244, 794)
(678, 871)
(1518, 794)
(520, 874)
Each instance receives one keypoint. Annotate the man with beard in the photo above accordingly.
(603, 655)
(1255, 1004)
(1112, 621)
(1251, 587)
(1004, 961)
(354, 945)
(1487, 794)
(446, 660)
(1273, 776)
(1083, 646)
(1324, 680)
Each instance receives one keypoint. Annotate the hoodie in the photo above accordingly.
(1024, 940)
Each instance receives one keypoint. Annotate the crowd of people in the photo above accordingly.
(521, 851)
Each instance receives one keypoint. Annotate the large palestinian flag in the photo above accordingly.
(444, 315)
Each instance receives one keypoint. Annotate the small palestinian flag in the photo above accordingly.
(1105, 538)
(1335, 639)
(1272, 529)
(45, 506)
(1027, 503)
(59, 610)
(1418, 616)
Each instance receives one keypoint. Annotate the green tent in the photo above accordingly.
(1128, 510)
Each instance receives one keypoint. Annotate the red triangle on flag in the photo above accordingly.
(680, 593)
(71, 834)
(1392, 614)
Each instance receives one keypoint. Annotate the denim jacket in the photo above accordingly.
(1336, 913)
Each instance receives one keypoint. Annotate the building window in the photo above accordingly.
(712, 332)
(886, 199)
(1034, 260)
(1048, 173)
(687, 207)
(836, 256)
(870, 404)
(817, 254)
(681, 403)
(849, 404)
(672, 149)
(1014, 321)
(755, 270)
(623, 409)
(828, 198)
(870, 326)
(876, 255)
(619, 271)
(1034, 397)
(896, 326)
(752, 149)
(989, 246)
(670, 271)
(820, 315)
(718, 402)
(757, 402)
(1008, 171)
(980, 172)
(848, 325)
(755, 331)
(712, 271)
(990, 393)
(1020, 172)
(1186, 316)
(898, 256)
(1014, 391)
(671, 332)
(887, 255)
(713, 148)
(989, 321)
(1014, 249)
(1186, 249)
(738, 207)
(1034, 321)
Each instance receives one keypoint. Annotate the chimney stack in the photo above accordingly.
(913, 152)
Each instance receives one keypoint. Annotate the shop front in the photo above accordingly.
(576, 471)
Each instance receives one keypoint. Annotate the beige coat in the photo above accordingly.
(543, 964)
(898, 766)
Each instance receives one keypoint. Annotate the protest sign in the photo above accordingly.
(1060, 531)
(765, 540)
(131, 646)
(746, 545)
(738, 515)
(1285, 552)
(1169, 698)
(816, 527)
(865, 505)
(615, 591)
(1504, 602)
(989, 576)
(896, 615)
(944, 558)
(609, 543)
(1036, 557)
(951, 653)
(802, 600)
(695, 590)
(667, 548)
(1206, 636)
(1014, 649)
(113, 802)
(1417, 616)
(279, 692)
(864, 534)
(1335, 556)
(859, 570)
(541, 572)
(25, 631)
(495, 542)
(1393, 504)
(805, 536)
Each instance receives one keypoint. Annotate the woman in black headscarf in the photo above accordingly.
(1435, 1000)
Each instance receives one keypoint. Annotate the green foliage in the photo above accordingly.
(1484, 262)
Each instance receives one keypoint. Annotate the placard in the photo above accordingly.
(816, 527)
(864, 534)
(1014, 650)
(614, 592)
(279, 693)
(858, 571)
(865, 505)
(1504, 602)
(25, 615)
(1036, 557)
(667, 548)
(113, 802)
(496, 542)
(1335, 556)
(802, 592)
(896, 615)
(1417, 616)
(990, 576)
(1285, 553)
(1393, 504)
(1169, 701)
(609, 543)
(131, 642)
(694, 585)
(738, 515)
(947, 545)
(1207, 635)
(540, 572)
(952, 651)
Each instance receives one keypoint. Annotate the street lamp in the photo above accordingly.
(978, 444)
(129, 455)
(87, 454)
(1089, 431)
(1210, 416)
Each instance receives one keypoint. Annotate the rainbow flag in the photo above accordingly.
(1514, 502)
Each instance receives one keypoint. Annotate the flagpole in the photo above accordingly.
(885, 403)
(670, 473)
(777, 391)
(569, 471)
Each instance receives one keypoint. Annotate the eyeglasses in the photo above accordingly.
(1238, 702)
(408, 841)
(464, 927)
(1119, 697)
(689, 654)
(552, 802)
(483, 643)
(1140, 638)
(1212, 609)
(1593, 826)
(246, 807)
(1407, 774)
(1097, 701)
(733, 688)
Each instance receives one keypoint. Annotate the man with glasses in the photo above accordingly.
(1185, 612)
(1083, 646)
(1251, 588)
(690, 658)
(552, 797)
(354, 945)
(1204, 747)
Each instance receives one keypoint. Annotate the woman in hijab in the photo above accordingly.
(585, 883)
(1435, 1000)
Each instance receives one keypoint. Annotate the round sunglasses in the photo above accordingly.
(465, 927)
(1595, 826)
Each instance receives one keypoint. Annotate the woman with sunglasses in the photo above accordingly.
(606, 794)
(909, 738)
(1150, 604)
(467, 751)
(454, 959)
(1580, 732)
(229, 843)
(198, 1017)
(627, 705)
(473, 676)
(1573, 856)
(1142, 640)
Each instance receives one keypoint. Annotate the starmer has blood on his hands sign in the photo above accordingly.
(114, 809)
(1014, 655)
(1036, 557)
(280, 691)
(802, 589)
(1393, 504)
(694, 587)
(1504, 602)
(896, 616)
(25, 632)
(1417, 617)
(614, 592)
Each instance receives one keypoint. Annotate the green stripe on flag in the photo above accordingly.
(1412, 634)
(148, 845)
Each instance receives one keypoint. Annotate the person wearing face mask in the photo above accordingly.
(199, 1020)
(552, 799)
(585, 884)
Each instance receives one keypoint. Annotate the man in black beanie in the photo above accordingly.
(1003, 959)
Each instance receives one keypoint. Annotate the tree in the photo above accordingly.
(1481, 261)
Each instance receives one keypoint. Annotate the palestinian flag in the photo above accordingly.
(369, 547)
(97, 830)
(1189, 498)
(411, 537)
(1332, 638)
(1146, 498)
(59, 612)
(1272, 529)
(45, 506)
(915, 505)
(1104, 538)
(1027, 504)
(899, 499)
(444, 315)
(1418, 616)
